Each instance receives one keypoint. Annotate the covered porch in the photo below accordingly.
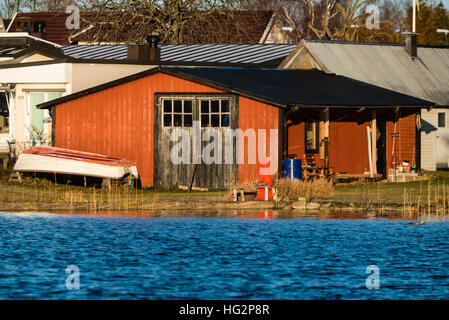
(356, 143)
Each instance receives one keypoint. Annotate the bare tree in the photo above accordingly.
(10, 7)
(336, 19)
(177, 21)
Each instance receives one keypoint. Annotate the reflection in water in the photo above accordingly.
(221, 255)
(244, 214)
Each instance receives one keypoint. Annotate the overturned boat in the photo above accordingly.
(72, 162)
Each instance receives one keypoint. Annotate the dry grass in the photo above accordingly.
(292, 189)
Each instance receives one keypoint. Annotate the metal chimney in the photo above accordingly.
(155, 52)
(411, 44)
(147, 53)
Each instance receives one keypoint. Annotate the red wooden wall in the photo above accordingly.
(256, 115)
(119, 121)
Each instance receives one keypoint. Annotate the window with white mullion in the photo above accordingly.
(177, 112)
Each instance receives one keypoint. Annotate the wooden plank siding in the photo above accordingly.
(119, 122)
(405, 124)
(256, 115)
(348, 145)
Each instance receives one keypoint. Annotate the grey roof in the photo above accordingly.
(277, 87)
(388, 66)
(208, 53)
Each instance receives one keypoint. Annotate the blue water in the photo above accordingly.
(220, 258)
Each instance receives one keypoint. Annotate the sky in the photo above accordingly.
(445, 2)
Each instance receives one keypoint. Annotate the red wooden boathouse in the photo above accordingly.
(134, 117)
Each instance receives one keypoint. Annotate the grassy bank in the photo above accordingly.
(43, 194)
(428, 196)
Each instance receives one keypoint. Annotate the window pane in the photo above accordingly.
(215, 120)
(441, 119)
(225, 120)
(167, 105)
(177, 120)
(224, 105)
(187, 106)
(205, 106)
(215, 106)
(167, 120)
(187, 120)
(204, 120)
(178, 106)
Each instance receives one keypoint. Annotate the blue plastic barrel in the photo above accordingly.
(292, 169)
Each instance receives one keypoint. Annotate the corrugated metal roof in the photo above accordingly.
(8, 51)
(277, 87)
(389, 66)
(209, 53)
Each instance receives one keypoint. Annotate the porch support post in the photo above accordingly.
(324, 131)
(374, 140)
(282, 140)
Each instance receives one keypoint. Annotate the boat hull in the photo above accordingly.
(53, 160)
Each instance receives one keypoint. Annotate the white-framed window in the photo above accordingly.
(215, 112)
(177, 112)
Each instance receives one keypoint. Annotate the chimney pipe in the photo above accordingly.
(155, 52)
(411, 44)
(147, 53)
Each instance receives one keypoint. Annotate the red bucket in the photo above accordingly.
(267, 180)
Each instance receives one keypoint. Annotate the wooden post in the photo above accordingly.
(324, 135)
(374, 140)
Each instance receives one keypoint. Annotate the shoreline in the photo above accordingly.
(316, 205)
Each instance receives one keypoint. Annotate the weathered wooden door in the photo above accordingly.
(185, 133)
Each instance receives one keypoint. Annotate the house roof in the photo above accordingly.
(385, 65)
(256, 54)
(55, 24)
(17, 44)
(277, 87)
(254, 22)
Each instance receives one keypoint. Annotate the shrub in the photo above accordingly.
(292, 189)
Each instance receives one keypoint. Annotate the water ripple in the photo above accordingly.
(215, 258)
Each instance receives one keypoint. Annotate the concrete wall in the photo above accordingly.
(87, 75)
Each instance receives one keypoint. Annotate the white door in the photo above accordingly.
(442, 139)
